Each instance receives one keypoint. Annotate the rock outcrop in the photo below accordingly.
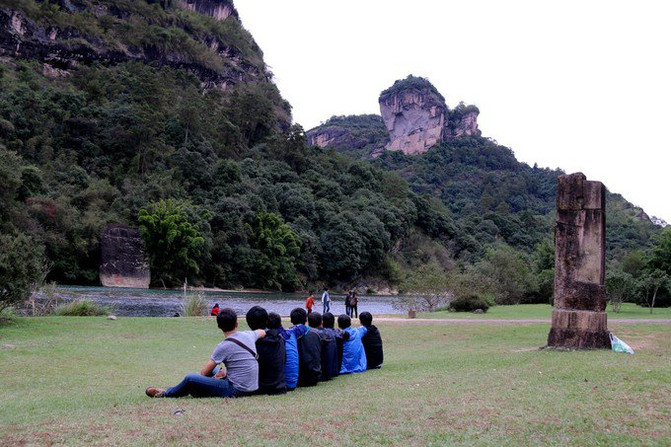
(123, 262)
(415, 118)
(418, 118)
(415, 115)
(364, 133)
(219, 9)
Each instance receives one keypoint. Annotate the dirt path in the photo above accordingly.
(505, 322)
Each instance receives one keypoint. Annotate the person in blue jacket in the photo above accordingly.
(291, 337)
(353, 356)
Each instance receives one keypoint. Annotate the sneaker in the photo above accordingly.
(154, 392)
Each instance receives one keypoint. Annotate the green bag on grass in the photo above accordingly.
(619, 346)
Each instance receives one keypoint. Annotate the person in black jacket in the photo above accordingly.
(328, 322)
(330, 366)
(271, 351)
(372, 342)
(309, 349)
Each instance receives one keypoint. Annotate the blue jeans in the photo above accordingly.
(327, 307)
(201, 386)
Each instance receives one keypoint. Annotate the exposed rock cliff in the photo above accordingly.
(123, 262)
(414, 118)
(463, 121)
(219, 9)
(366, 133)
(67, 33)
(415, 115)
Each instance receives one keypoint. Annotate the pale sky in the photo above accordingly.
(577, 85)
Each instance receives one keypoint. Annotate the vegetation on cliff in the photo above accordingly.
(412, 83)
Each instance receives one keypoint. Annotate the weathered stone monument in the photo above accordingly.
(579, 319)
(123, 262)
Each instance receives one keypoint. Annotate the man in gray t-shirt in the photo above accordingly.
(238, 354)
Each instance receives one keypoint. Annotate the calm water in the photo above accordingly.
(166, 303)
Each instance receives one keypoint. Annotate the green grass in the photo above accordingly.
(67, 380)
(538, 311)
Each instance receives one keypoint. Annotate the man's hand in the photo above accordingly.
(221, 374)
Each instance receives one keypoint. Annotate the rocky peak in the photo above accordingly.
(417, 117)
(463, 121)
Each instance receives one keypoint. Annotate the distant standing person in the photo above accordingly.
(354, 304)
(326, 300)
(309, 302)
(348, 304)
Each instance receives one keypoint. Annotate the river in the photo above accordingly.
(167, 303)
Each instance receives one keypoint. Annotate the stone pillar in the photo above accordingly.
(123, 262)
(579, 319)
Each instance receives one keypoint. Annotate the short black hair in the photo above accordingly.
(344, 321)
(257, 318)
(328, 320)
(227, 319)
(298, 316)
(274, 320)
(366, 319)
(314, 319)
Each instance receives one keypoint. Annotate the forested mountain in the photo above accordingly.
(161, 115)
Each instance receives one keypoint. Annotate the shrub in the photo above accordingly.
(469, 303)
(195, 306)
(82, 308)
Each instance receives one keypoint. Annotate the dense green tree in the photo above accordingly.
(506, 275)
(620, 287)
(22, 268)
(276, 252)
(651, 284)
(660, 255)
(175, 235)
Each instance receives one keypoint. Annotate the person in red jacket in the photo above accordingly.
(309, 302)
(215, 310)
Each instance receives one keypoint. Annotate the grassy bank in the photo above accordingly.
(81, 380)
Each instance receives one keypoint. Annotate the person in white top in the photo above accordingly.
(326, 300)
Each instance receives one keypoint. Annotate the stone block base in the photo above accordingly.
(578, 329)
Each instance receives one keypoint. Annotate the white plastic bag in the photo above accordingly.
(619, 346)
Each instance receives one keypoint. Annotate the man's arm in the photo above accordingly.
(260, 333)
(209, 367)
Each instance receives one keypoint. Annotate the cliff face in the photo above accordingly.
(415, 119)
(74, 32)
(463, 121)
(219, 9)
(363, 133)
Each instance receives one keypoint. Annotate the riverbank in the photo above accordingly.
(169, 302)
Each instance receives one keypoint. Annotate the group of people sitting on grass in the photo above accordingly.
(269, 359)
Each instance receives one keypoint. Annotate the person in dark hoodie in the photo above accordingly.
(372, 342)
(330, 365)
(309, 349)
(271, 351)
(328, 323)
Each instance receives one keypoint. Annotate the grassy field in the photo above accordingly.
(539, 311)
(81, 380)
